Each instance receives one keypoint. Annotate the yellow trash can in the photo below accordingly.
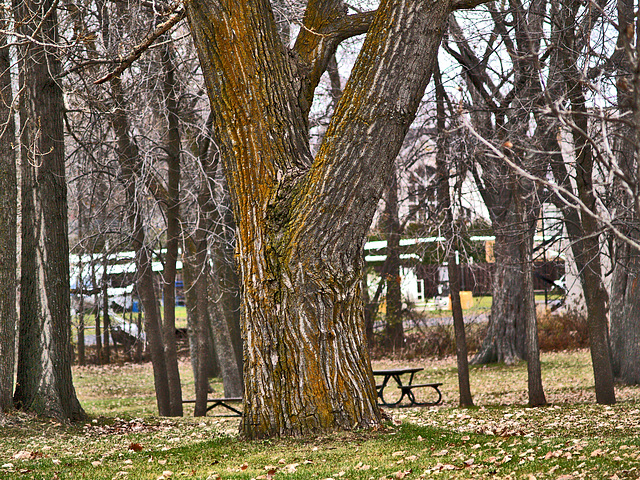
(466, 299)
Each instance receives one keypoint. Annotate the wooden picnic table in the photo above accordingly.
(406, 389)
(222, 402)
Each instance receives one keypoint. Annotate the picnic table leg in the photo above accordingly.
(382, 387)
(413, 400)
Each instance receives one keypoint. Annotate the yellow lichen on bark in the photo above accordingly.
(302, 221)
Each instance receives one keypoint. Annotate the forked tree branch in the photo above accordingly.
(141, 48)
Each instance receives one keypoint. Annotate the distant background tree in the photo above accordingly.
(501, 97)
(450, 234)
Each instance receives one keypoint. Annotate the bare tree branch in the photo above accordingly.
(140, 49)
(567, 197)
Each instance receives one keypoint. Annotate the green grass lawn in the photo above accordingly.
(499, 438)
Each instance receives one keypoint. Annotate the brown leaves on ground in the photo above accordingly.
(120, 427)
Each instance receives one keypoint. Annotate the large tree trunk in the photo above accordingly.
(625, 287)
(505, 340)
(505, 120)
(302, 221)
(625, 315)
(8, 227)
(44, 382)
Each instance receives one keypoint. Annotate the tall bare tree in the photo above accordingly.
(585, 234)
(444, 202)
(625, 297)
(44, 382)
(8, 225)
(502, 99)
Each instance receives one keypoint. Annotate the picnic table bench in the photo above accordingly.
(222, 402)
(406, 390)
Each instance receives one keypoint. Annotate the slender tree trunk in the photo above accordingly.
(584, 232)
(44, 361)
(82, 359)
(98, 318)
(444, 201)
(200, 340)
(196, 274)
(588, 257)
(106, 331)
(534, 373)
(8, 227)
(220, 284)
(226, 274)
(394, 329)
(173, 147)
(140, 343)
(224, 348)
(151, 309)
(129, 158)
(81, 284)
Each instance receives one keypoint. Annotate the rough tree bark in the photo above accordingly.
(8, 227)
(505, 339)
(625, 286)
(44, 381)
(301, 222)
